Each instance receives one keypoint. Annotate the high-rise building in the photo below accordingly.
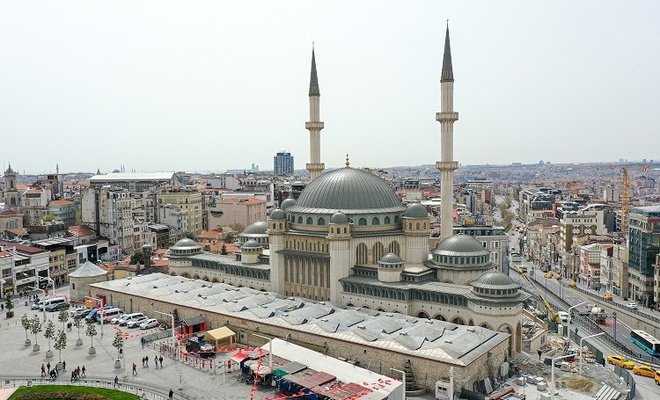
(643, 246)
(283, 164)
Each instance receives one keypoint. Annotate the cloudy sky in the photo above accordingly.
(215, 85)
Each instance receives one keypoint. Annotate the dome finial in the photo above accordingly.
(348, 163)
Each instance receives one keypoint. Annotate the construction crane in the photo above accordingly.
(625, 195)
(552, 314)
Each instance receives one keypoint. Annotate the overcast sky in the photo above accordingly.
(215, 85)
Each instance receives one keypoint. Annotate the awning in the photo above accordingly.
(219, 334)
(340, 391)
(238, 356)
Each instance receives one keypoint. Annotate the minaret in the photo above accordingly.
(447, 116)
(314, 125)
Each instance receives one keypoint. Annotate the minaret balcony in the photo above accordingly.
(444, 116)
(314, 125)
(446, 165)
(315, 166)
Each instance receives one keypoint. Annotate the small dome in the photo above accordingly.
(288, 203)
(494, 279)
(251, 244)
(460, 245)
(390, 260)
(416, 211)
(278, 214)
(256, 228)
(185, 244)
(339, 218)
(88, 269)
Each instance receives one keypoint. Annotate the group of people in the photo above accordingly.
(78, 373)
(157, 361)
(55, 372)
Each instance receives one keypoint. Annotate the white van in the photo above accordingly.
(109, 314)
(563, 316)
(49, 304)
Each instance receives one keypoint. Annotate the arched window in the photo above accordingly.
(361, 254)
(362, 221)
(309, 220)
(417, 226)
(394, 248)
(378, 252)
(321, 221)
(396, 219)
(375, 221)
(300, 220)
(387, 220)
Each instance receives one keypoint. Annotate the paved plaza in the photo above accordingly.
(187, 381)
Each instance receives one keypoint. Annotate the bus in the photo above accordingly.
(647, 342)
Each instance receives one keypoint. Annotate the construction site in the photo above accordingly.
(534, 376)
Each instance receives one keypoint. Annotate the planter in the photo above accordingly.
(117, 364)
(92, 350)
(9, 314)
(60, 366)
(49, 354)
(28, 343)
(79, 342)
(36, 348)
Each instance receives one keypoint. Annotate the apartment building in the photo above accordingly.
(188, 201)
(237, 211)
(64, 211)
(29, 265)
(34, 205)
(108, 211)
(643, 248)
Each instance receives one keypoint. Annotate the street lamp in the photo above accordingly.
(270, 349)
(43, 293)
(178, 349)
(614, 316)
(569, 317)
(100, 310)
(403, 381)
(581, 340)
(552, 374)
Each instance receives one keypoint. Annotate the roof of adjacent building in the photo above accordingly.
(247, 201)
(81, 230)
(349, 190)
(430, 339)
(61, 203)
(132, 176)
(21, 248)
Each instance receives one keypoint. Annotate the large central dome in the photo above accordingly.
(348, 189)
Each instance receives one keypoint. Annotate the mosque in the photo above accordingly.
(349, 240)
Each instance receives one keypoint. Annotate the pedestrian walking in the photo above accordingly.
(161, 361)
(134, 369)
(142, 362)
(143, 341)
(156, 361)
(83, 372)
(121, 353)
(48, 366)
(171, 395)
(64, 366)
(116, 381)
(43, 370)
(146, 361)
(540, 352)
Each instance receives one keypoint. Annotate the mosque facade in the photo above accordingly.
(349, 240)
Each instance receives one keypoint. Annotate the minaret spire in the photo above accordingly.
(314, 125)
(447, 116)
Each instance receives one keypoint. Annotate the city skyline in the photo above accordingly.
(90, 86)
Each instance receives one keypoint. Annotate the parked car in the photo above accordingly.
(572, 284)
(608, 296)
(549, 274)
(657, 378)
(150, 323)
(130, 317)
(136, 322)
(621, 361)
(632, 305)
(644, 370)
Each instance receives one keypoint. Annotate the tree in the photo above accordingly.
(189, 235)
(77, 322)
(91, 332)
(25, 322)
(207, 247)
(60, 342)
(63, 317)
(35, 327)
(223, 250)
(137, 258)
(50, 332)
(9, 305)
(118, 342)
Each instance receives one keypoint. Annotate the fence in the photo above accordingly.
(628, 378)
